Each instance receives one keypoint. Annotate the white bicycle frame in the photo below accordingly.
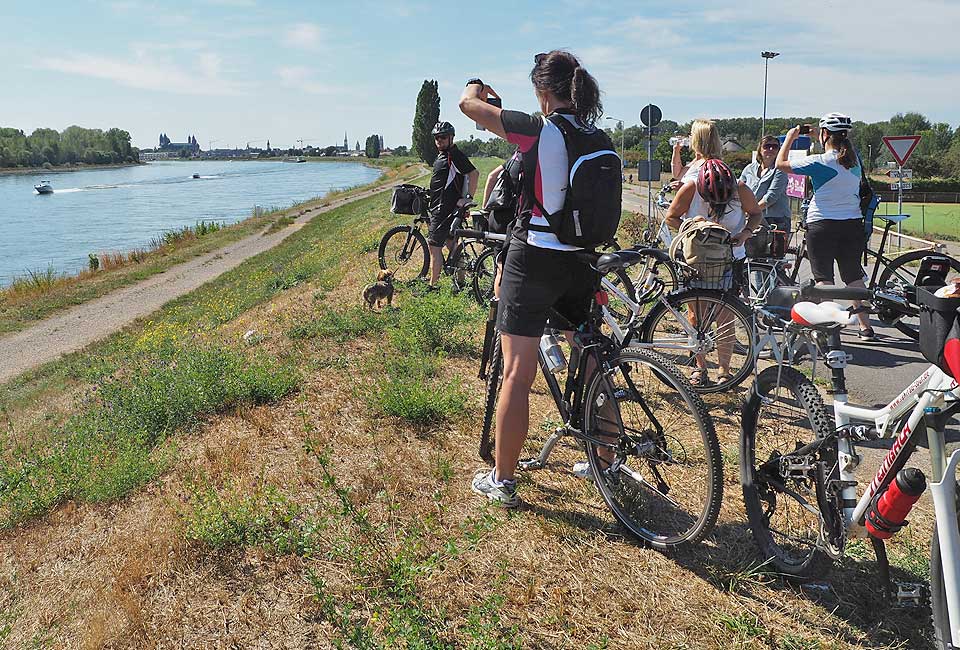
(932, 389)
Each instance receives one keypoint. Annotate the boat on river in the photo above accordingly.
(44, 187)
(196, 175)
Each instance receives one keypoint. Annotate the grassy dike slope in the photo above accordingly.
(265, 464)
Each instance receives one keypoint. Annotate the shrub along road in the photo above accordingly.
(79, 326)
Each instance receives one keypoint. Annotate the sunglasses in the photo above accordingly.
(771, 145)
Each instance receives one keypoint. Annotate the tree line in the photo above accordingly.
(49, 147)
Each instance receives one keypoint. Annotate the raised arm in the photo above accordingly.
(783, 164)
(473, 104)
(677, 168)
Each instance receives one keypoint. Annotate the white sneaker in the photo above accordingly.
(503, 493)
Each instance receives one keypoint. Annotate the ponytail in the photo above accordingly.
(560, 73)
(846, 156)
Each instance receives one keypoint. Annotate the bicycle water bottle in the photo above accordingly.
(552, 353)
(888, 512)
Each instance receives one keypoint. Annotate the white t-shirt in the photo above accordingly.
(733, 218)
(692, 171)
(836, 189)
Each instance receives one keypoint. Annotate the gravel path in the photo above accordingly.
(79, 326)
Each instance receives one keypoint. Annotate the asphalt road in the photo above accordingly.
(879, 371)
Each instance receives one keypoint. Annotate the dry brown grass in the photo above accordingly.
(122, 575)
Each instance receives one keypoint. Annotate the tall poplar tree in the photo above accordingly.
(426, 116)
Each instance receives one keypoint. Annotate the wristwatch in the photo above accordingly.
(475, 80)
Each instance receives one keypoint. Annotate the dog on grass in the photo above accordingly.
(381, 290)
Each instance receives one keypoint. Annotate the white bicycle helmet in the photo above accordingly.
(836, 122)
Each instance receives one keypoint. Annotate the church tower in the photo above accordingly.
(345, 145)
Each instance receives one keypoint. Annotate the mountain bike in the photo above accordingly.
(798, 468)
(895, 273)
(403, 249)
(650, 441)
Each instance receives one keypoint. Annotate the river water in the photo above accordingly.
(121, 209)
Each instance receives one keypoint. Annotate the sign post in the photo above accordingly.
(901, 146)
(650, 117)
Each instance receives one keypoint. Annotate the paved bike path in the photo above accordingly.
(77, 327)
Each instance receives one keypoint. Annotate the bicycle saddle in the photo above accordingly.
(810, 314)
(618, 260)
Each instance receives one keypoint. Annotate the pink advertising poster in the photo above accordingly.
(795, 185)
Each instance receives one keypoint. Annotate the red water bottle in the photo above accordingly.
(889, 510)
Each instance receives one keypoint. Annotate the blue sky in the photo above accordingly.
(246, 70)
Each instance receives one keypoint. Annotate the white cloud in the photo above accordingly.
(301, 78)
(147, 74)
(307, 36)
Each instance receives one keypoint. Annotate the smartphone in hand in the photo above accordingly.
(493, 101)
(804, 129)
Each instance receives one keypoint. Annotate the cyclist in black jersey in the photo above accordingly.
(540, 274)
(452, 185)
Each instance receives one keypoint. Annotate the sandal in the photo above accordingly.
(724, 377)
(699, 377)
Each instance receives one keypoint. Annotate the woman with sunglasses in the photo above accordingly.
(768, 183)
(540, 273)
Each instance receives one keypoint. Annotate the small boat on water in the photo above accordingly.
(44, 187)
(301, 159)
(196, 175)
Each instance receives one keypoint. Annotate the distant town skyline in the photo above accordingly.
(238, 71)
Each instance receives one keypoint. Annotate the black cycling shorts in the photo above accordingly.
(438, 231)
(541, 283)
(830, 241)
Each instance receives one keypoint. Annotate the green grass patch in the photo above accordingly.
(280, 224)
(115, 443)
(938, 220)
(344, 325)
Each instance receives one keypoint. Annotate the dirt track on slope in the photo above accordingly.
(79, 326)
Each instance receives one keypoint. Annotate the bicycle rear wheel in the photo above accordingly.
(901, 272)
(484, 275)
(703, 329)
(653, 450)
(403, 250)
(463, 263)
(783, 413)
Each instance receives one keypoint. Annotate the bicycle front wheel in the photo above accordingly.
(653, 450)
(484, 275)
(901, 272)
(403, 250)
(463, 263)
(494, 381)
(783, 413)
(706, 334)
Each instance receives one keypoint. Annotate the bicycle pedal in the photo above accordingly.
(530, 464)
(910, 594)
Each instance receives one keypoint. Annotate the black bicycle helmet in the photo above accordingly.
(444, 128)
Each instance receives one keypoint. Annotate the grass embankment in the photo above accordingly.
(40, 294)
(266, 463)
(932, 220)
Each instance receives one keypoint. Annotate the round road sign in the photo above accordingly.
(651, 115)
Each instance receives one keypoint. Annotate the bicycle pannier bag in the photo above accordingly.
(933, 272)
(939, 328)
(706, 247)
(591, 210)
(769, 244)
(407, 199)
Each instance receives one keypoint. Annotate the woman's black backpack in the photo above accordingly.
(502, 204)
(591, 210)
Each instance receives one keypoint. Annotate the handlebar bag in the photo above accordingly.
(407, 199)
(940, 331)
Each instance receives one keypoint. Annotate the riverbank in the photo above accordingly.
(38, 295)
(76, 167)
(265, 462)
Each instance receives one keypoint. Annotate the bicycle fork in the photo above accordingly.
(944, 492)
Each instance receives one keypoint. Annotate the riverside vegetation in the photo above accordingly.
(264, 462)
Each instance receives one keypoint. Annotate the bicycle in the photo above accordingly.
(403, 249)
(897, 272)
(798, 469)
(650, 442)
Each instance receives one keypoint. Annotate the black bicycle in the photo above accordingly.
(403, 249)
(649, 439)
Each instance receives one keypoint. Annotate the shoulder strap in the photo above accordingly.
(562, 125)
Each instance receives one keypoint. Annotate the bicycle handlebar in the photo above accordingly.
(811, 291)
(482, 235)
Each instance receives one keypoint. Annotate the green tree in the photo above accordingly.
(372, 147)
(908, 124)
(426, 114)
(400, 151)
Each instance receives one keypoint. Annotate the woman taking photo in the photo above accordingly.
(835, 231)
(706, 145)
(769, 184)
(540, 273)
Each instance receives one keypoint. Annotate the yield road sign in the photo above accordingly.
(900, 173)
(901, 146)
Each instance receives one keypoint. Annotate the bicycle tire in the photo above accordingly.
(938, 596)
(392, 256)
(635, 486)
(663, 270)
(617, 308)
(897, 272)
(798, 404)
(484, 276)
(494, 382)
(657, 332)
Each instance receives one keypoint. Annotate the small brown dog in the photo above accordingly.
(380, 290)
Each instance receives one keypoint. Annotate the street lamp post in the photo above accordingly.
(622, 129)
(766, 62)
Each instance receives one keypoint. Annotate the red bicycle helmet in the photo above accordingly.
(716, 183)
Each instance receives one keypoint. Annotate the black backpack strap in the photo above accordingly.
(562, 125)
